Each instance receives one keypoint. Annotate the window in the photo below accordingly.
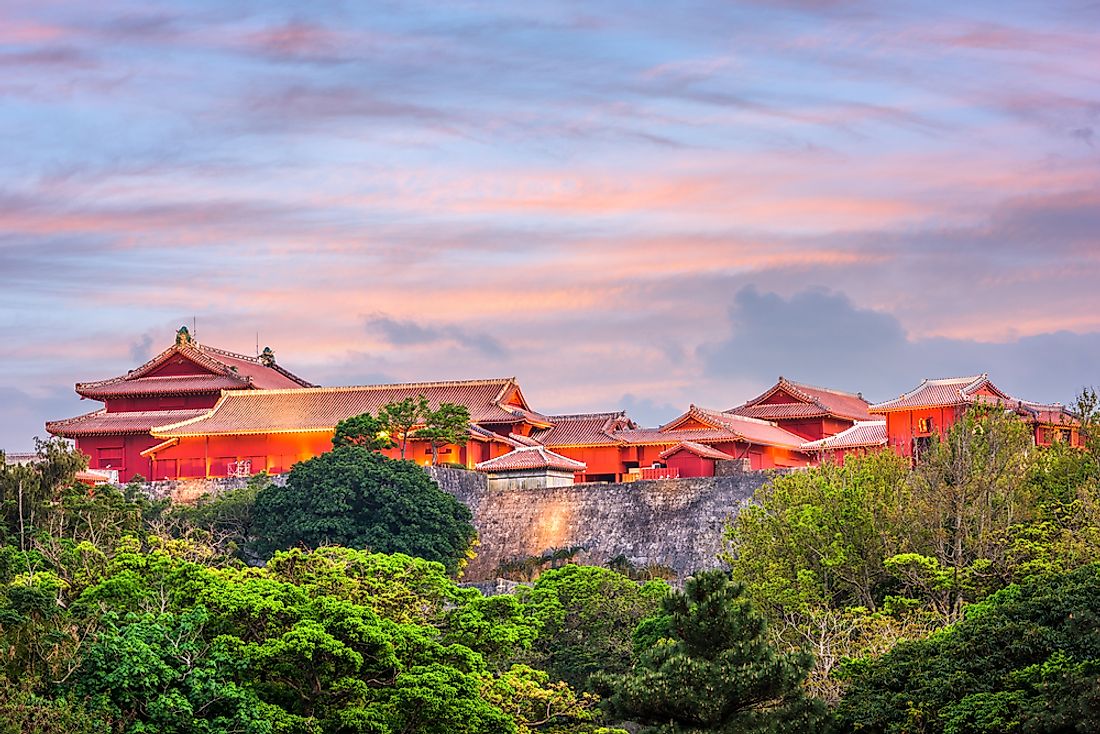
(1066, 435)
(925, 425)
(110, 458)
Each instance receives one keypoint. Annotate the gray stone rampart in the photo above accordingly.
(675, 523)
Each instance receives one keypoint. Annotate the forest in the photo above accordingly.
(961, 594)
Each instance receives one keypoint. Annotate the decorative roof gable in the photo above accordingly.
(788, 399)
(946, 392)
(584, 429)
(217, 369)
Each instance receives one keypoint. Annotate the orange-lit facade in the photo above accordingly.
(182, 382)
(195, 411)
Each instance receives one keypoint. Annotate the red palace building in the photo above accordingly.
(195, 411)
(181, 383)
(916, 418)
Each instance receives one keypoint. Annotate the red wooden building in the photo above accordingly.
(691, 459)
(929, 410)
(271, 430)
(614, 448)
(180, 383)
(811, 412)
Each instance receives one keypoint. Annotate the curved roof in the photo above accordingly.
(584, 429)
(706, 452)
(712, 426)
(945, 392)
(862, 434)
(225, 371)
(102, 423)
(805, 401)
(531, 457)
(321, 408)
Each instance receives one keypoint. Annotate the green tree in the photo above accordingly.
(355, 497)
(1027, 659)
(811, 552)
(362, 430)
(586, 616)
(224, 521)
(401, 417)
(447, 424)
(715, 670)
(968, 491)
(28, 491)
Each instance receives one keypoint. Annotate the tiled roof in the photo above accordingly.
(168, 385)
(863, 433)
(100, 422)
(1053, 414)
(944, 392)
(321, 408)
(531, 457)
(657, 437)
(698, 449)
(521, 440)
(227, 371)
(817, 401)
(779, 411)
(584, 429)
(529, 416)
(720, 428)
(751, 430)
(91, 476)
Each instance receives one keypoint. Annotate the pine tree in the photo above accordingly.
(714, 671)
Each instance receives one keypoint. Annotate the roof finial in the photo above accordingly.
(183, 337)
(267, 357)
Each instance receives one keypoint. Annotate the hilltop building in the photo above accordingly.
(811, 412)
(915, 418)
(195, 411)
(180, 383)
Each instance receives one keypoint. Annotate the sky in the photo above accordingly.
(625, 205)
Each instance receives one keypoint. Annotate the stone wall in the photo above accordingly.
(675, 523)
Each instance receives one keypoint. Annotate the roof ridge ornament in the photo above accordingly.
(267, 357)
(183, 337)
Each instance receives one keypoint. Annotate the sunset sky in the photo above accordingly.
(626, 205)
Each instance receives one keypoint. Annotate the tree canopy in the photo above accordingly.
(358, 498)
(586, 617)
(1026, 659)
(714, 670)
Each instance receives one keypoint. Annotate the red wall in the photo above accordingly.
(901, 426)
(690, 465)
(103, 450)
(276, 453)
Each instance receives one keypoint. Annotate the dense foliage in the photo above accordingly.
(1026, 659)
(358, 498)
(848, 560)
(586, 616)
(714, 670)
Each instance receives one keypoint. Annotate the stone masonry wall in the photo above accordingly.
(676, 523)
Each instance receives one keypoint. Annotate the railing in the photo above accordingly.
(660, 472)
(239, 468)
